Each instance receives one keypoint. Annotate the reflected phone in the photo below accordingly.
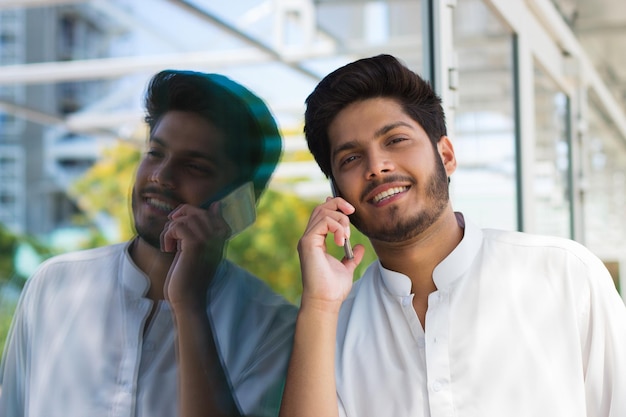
(237, 208)
(347, 247)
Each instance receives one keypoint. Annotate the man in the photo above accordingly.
(162, 325)
(451, 320)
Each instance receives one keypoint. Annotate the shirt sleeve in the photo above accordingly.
(603, 337)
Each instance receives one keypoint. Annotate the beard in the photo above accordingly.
(148, 228)
(398, 229)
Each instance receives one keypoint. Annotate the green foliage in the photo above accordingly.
(10, 276)
(106, 188)
(8, 246)
(269, 247)
(6, 314)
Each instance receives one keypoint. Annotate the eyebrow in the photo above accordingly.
(390, 127)
(187, 153)
(380, 132)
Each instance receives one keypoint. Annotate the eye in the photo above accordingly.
(201, 168)
(154, 153)
(348, 159)
(396, 140)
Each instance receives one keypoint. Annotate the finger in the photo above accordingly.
(358, 251)
(331, 209)
(342, 205)
(193, 228)
(185, 228)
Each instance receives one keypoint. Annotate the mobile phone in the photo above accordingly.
(237, 208)
(347, 247)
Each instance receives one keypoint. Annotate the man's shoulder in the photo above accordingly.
(532, 240)
(541, 246)
(77, 265)
(67, 270)
(245, 307)
(243, 284)
(100, 254)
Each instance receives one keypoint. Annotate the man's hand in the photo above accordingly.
(198, 238)
(326, 281)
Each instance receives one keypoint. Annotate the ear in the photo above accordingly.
(446, 153)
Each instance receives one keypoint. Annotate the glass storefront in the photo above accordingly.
(552, 203)
(484, 186)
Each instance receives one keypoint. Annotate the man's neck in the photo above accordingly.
(154, 263)
(418, 257)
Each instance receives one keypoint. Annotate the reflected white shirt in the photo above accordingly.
(77, 345)
(520, 326)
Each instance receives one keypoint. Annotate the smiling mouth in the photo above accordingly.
(388, 193)
(159, 204)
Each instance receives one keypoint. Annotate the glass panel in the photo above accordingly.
(484, 186)
(604, 200)
(551, 185)
(366, 28)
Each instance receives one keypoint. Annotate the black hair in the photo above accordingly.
(378, 76)
(252, 137)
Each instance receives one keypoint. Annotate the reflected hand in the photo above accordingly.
(198, 238)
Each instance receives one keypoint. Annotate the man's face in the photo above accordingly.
(186, 163)
(384, 164)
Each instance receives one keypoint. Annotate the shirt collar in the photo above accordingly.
(461, 258)
(137, 283)
(133, 278)
(449, 270)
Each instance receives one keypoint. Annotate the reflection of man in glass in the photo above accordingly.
(162, 325)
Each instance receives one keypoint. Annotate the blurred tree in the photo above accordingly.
(6, 315)
(8, 246)
(105, 189)
(12, 278)
(268, 248)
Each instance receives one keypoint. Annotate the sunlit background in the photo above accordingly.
(534, 92)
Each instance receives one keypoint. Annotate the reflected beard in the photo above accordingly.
(145, 234)
(145, 230)
(399, 230)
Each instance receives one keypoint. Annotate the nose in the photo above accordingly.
(378, 164)
(163, 175)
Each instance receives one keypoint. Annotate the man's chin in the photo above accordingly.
(150, 239)
(394, 231)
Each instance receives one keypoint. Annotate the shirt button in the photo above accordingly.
(437, 386)
(406, 301)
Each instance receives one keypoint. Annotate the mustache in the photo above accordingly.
(392, 178)
(166, 194)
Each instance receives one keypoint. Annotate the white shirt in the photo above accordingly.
(520, 326)
(77, 345)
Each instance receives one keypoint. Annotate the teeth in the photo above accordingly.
(388, 193)
(161, 205)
